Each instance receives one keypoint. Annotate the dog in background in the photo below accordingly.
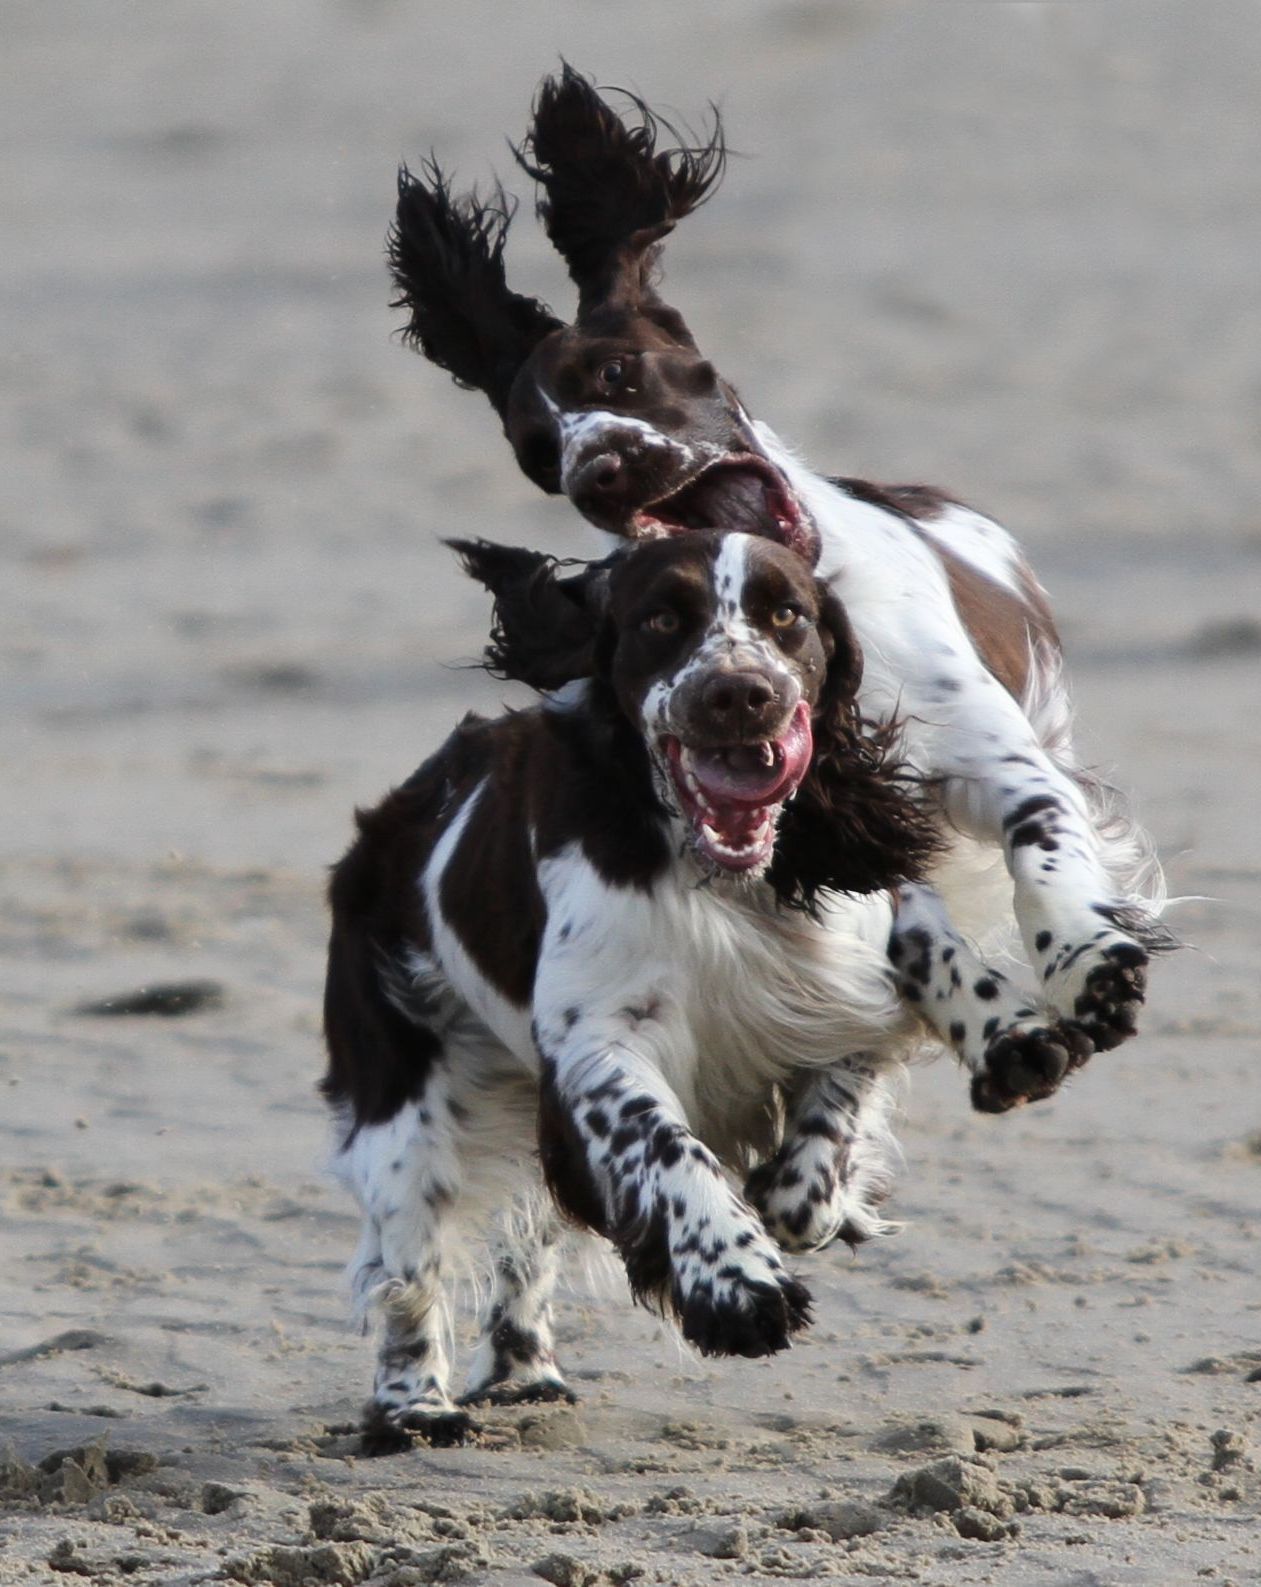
(620, 412)
(638, 935)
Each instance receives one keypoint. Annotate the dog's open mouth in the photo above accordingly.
(733, 793)
(742, 492)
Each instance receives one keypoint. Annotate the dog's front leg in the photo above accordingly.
(1088, 943)
(514, 1362)
(832, 1172)
(1015, 1050)
(620, 1158)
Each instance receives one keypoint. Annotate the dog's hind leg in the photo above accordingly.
(406, 1175)
(514, 1361)
(833, 1171)
(620, 1158)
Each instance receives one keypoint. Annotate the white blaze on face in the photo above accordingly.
(731, 642)
(587, 433)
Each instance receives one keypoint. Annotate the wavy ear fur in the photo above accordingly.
(860, 821)
(545, 628)
(446, 257)
(609, 195)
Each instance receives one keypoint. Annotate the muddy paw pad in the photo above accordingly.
(754, 1318)
(1023, 1066)
(391, 1432)
(1107, 1009)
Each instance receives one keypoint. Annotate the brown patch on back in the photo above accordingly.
(924, 502)
(1002, 625)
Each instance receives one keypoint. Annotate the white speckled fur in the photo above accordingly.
(961, 725)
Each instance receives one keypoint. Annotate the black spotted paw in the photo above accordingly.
(738, 1316)
(1107, 1008)
(1026, 1065)
(800, 1200)
(389, 1430)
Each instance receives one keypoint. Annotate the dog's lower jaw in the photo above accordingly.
(688, 842)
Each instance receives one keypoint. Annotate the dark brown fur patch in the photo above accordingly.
(489, 893)
(446, 257)
(378, 1059)
(1001, 625)
(563, 1159)
(858, 823)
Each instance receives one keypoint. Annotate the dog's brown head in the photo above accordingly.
(738, 672)
(619, 410)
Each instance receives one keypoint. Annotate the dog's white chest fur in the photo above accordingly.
(729, 991)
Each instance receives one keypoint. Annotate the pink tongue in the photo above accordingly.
(739, 773)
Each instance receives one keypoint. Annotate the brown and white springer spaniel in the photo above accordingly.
(637, 934)
(620, 412)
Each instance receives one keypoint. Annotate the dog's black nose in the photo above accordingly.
(738, 701)
(602, 478)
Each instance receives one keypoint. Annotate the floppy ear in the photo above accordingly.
(839, 695)
(545, 628)
(861, 820)
(446, 257)
(609, 196)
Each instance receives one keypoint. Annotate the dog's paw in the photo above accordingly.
(391, 1429)
(1099, 985)
(543, 1391)
(698, 1252)
(1106, 1010)
(741, 1315)
(1025, 1064)
(800, 1196)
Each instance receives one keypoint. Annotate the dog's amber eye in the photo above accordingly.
(663, 622)
(784, 617)
(611, 374)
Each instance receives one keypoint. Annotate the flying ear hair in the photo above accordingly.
(446, 257)
(607, 190)
(544, 627)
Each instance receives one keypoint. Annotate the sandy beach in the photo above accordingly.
(1007, 248)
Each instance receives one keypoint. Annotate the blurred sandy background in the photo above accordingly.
(1008, 248)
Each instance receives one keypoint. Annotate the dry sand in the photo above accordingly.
(1010, 248)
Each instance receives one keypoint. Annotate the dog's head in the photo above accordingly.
(717, 648)
(618, 410)
(738, 671)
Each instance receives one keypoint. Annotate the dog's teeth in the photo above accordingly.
(766, 752)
